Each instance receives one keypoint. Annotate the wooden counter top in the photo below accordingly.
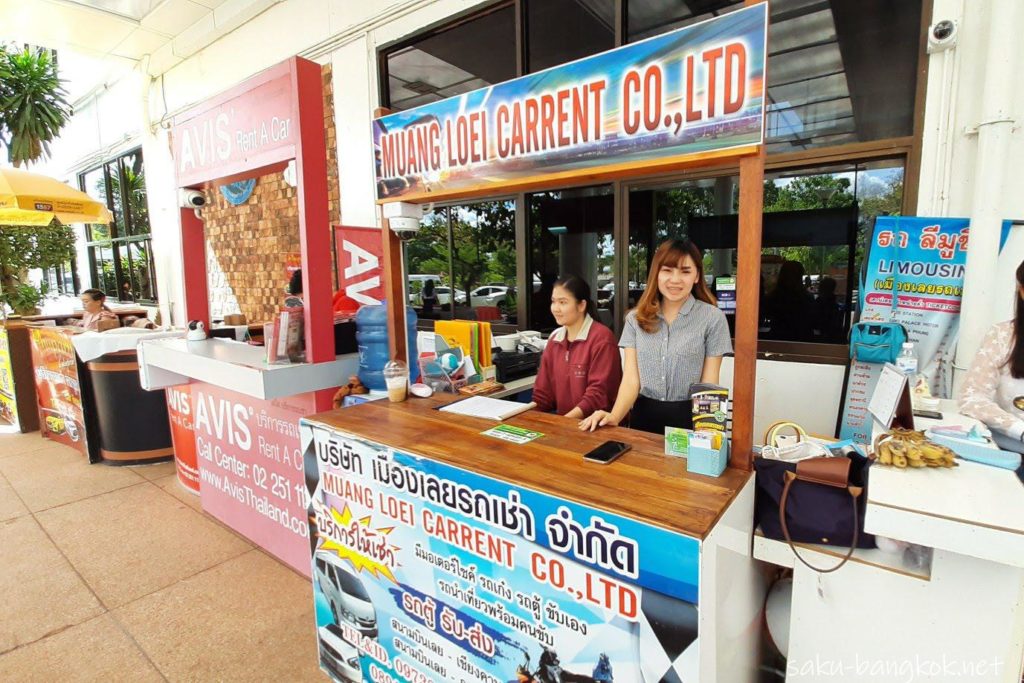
(643, 484)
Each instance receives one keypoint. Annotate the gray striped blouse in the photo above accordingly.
(671, 359)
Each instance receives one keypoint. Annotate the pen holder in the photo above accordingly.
(707, 461)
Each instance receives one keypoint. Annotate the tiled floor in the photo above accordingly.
(115, 574)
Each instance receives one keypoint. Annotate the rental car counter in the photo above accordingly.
(957, 614)
(89, 397)
(440, 553)
(235, 424)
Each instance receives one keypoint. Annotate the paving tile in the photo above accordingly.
(41, 593)
(137, 540)
(174, 487)
(10, 504)
(154, 472)
(51, 477)
(97, 650)
(17, 444)
(198, 629)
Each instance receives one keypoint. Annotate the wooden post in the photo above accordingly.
(748, 289)
(394, 283)
(394, 293)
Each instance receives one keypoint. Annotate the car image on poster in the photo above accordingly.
(426, 572)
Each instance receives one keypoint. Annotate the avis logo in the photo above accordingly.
(224, 420)
(179, 401)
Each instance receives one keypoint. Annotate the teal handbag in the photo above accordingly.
(876, 342)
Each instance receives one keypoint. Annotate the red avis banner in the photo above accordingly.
(250, 467)
(252, 125)
(360, 275)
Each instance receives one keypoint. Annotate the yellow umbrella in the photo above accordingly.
(33, 199)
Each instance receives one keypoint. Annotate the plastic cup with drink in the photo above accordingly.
(396, 376)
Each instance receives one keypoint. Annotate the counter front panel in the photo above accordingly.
(442, 554)
(250, 467)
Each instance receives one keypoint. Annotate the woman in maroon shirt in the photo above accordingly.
(580, 370)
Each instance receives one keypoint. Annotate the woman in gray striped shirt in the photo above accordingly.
(675, 337)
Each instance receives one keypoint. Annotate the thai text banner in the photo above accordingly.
(693, 92)
(921, 262)
(424, 571)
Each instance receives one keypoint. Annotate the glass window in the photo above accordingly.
(560, 31)
(133, 187)
(838, 72)
(646, 18)
(470, 55)
(571, 233)
(814, 230)
(468, 254)
(120, 253)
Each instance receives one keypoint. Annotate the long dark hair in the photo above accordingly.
(672, 253)
(580, 290)
(1016, 358)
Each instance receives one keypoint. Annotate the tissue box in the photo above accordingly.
(707, 461)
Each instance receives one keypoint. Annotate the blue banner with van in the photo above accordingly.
(423, 571)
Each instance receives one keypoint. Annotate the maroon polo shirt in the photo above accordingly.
(585, 372)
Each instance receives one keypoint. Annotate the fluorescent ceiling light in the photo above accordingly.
(131, 9)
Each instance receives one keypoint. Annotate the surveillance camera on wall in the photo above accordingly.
(404, 218)
(942, 35)
(191, 199)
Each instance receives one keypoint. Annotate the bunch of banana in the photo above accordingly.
(908, 448)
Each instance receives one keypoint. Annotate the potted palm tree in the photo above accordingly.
(33, 110)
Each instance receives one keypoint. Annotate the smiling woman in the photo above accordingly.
(674, 338)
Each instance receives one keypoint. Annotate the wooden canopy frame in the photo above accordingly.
(748, 276)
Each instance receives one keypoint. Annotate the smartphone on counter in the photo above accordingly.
(606, 452)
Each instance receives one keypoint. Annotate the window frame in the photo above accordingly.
(114, 241)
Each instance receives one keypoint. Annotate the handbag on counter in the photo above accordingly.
(813, 499)
(876, 341)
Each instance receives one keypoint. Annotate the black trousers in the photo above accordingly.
(650, 415)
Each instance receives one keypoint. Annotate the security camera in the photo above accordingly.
(942, 35)
(404, 218)
(192, 199)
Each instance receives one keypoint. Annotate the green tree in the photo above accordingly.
(32, 113)
(33, 108)
(26, 247)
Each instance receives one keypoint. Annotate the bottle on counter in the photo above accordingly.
(907, 360)
(372, 339)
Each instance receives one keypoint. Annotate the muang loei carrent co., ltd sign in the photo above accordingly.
(248, 127)
(692, 94)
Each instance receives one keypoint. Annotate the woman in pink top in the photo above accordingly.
(94, 303)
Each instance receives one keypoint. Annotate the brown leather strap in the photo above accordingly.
(827, 471)
(854, 491)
